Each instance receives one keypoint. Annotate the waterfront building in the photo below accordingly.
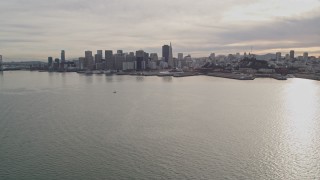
(50, 62)
(170, 60)
(63, 56)
(152, 65)
(109, 59)
(165, 52)
(129, 63)
(56, 64)
(140, 60)
(89, 60)
(118, 61)
(146, 60)
(154, 57)
(292, 54)
(63, 59)
(98, 61)
(81, 63)
(98, 58)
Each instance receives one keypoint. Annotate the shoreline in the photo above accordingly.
(235, 76)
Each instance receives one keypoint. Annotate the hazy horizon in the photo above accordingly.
(36, 29)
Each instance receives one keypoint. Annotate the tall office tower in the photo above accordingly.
(140, 55)
(287, 56)
(305, 56)
(119, 52)
(98, 58)
(130, 57)
(118, 61)
(165, 52)
(146, 60)
(50, 62)
(109, 59)
(82, 62)
(170, 61)
(292, 54)
(154, 56)
(100, 52)
(180, 56)
(89, 60)
(63, 56)
(131, 53)
(56, 63)
(278, 56)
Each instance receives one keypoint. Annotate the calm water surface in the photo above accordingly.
(71, 126)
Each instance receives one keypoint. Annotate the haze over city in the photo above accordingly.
(35, 29)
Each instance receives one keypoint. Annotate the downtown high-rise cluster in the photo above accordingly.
(120, 61)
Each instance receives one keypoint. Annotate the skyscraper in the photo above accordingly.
(82, 62)
(292, 54)
(140, 60)
(154, 56)
(165, 52)
(109, 59)
(100, 52)
(63, 56)
(50, 62)
(119, 58)
(98, 57)
(89, 60)
(180, 56)
(170, 61)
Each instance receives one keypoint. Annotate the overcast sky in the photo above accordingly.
(36, 29)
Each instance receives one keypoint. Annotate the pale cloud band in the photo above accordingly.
(35, 29)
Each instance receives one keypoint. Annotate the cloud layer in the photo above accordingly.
(35, 29)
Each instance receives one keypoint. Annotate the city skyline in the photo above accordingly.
(35, 29)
